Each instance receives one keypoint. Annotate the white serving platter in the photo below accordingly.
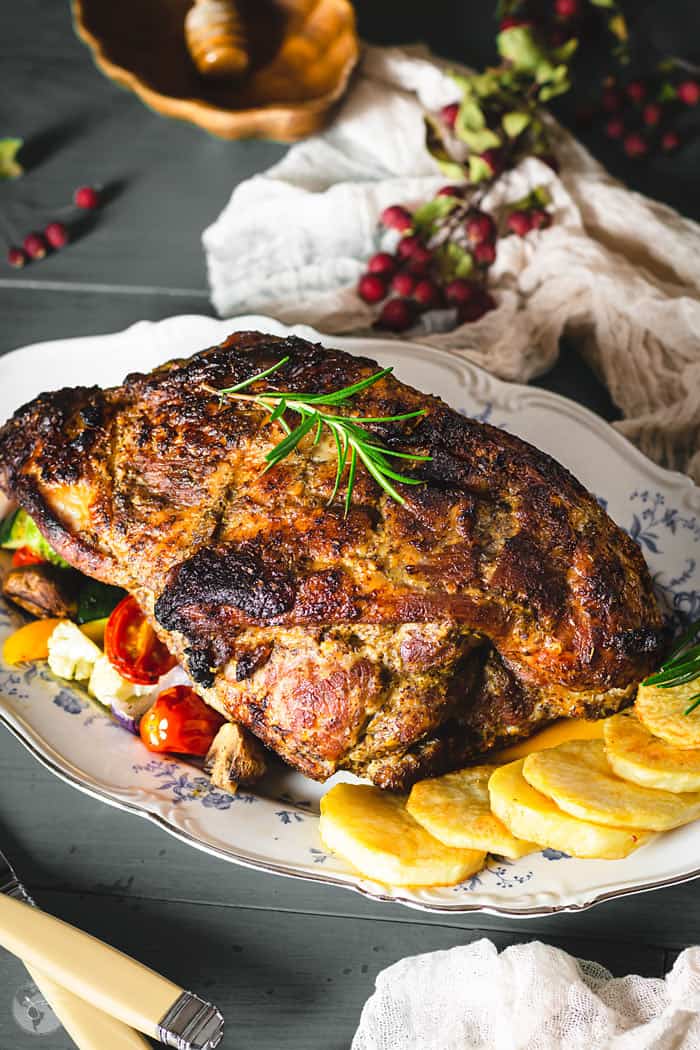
(276, 828)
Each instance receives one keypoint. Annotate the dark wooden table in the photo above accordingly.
(289, 963)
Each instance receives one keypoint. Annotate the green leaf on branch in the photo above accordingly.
(435, 145)
(566, 52)
(603, 3)
(10, 168)
(470, 116)
(549, 91)
(618, 27)
(427, 215)
(479, 169)
(480, 141)
(454, 261)
(514, 123)
(518, 45)
(667, 92)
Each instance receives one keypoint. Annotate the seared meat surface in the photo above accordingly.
(397, 641)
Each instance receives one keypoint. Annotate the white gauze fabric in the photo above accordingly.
(617, 271)
(530, 997)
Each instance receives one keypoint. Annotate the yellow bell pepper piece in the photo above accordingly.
(29, 642)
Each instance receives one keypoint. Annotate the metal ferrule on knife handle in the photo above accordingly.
(191, 1024)
(108, 979)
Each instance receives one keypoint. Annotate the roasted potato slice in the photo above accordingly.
(662, 711)
(579, 779)
(529, 814)
(372, 830)
(636, 754)
(456, 809)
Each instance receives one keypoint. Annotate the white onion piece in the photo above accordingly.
(130, 712)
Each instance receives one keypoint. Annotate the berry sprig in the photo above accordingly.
(36, 245)
(443, 255)
(641, 113)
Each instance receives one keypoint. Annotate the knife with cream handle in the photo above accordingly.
(88, 1027)
(109, 980)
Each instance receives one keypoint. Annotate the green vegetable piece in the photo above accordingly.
(514, 123)
(6, 526)
(97, 600)
(23, 532)
(10, 168)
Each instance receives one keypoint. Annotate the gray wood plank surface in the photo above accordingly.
(289, 962)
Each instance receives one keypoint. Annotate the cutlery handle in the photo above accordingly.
(88, 1027)
(108, 979)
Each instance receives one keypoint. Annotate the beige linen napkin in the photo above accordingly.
(530, 997)
(618, 272)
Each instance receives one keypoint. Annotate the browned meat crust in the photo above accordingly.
(396, 641)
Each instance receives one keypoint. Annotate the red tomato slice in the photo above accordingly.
(133, 647)
(180, 721)
(26, 556)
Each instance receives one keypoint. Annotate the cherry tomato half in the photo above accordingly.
(26, 556)
(180, 721)
(132, 646)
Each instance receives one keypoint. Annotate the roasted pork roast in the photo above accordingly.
(398, 641)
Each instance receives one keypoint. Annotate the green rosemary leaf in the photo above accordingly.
(342, 454)
(351, 479)
(685, 639)
(681, 679)
(278, 411)
(694, 702)
(386, 419)
(351, 438)
(253, 379)
(346, 392)
(289, 443)
(379, 476)
(670, 674)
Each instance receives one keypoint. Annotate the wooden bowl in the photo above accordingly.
(302, 54)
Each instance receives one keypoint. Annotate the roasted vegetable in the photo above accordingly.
(18, 530)
(29, 642)
(43, 590)
(235, 757)
(96, 600)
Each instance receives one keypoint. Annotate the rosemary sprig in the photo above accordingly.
(354, 443)
(682, 666)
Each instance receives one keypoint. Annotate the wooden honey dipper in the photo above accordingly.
(216, 38)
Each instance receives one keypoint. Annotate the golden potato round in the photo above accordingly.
(372, 830)
(662, 711)
(579, 779)
(636, 754)
(529, 814)
(456, 809)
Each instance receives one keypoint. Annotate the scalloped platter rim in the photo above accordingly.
(276, 830)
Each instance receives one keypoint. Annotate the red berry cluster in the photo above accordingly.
(640, 113)
(411, 279)
(55, 236)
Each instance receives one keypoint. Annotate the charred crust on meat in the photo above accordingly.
(199, 667)
(215, 579)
